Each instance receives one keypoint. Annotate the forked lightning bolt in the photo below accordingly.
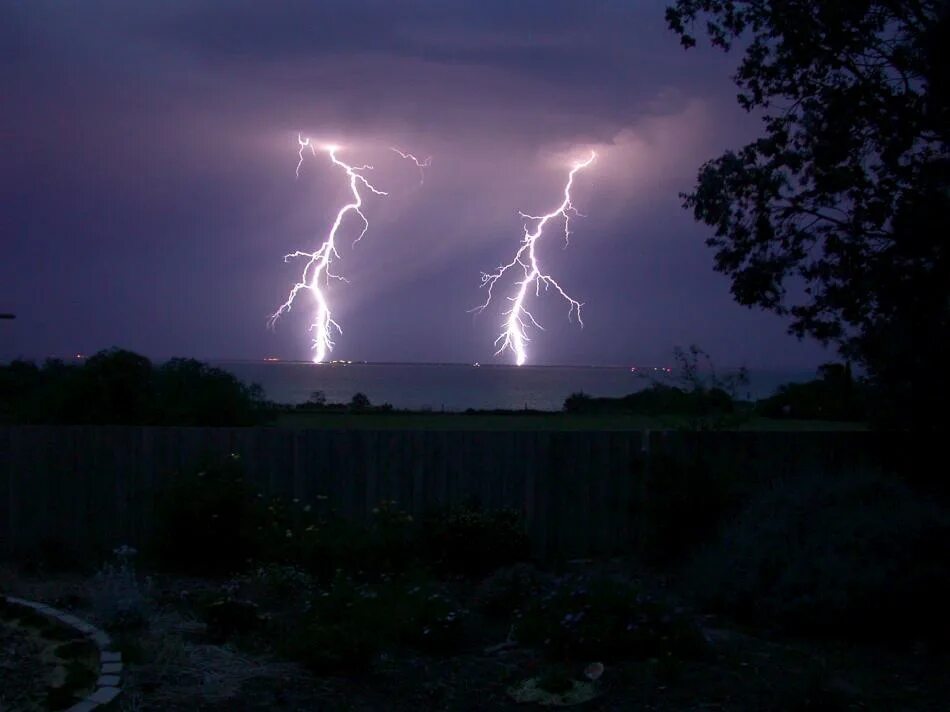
(421, 165)
(517, 319)
(316, 272)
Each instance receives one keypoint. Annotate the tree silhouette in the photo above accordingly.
(845, 198)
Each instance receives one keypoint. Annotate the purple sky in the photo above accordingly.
(148, 154)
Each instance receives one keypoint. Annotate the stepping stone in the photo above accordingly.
(103, 695)
(84, 706)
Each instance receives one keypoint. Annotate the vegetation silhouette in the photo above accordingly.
(837, 217)
(834, 395)
(119, 387)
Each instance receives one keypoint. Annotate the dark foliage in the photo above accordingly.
(359, 401)
(834, 395)
(188, 392)
(658, 399)
(508, 589)
(208, 522)
(212, 521)
(860, 557)
(117, 387)
(471, 541)
(350, 623)
(847, 193)
(230, 618)
(702, 400)
(583, 619)
(687, 497)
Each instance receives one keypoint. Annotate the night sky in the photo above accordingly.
(148, 154)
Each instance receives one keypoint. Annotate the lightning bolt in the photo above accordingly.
(316, 272)
(422, 165)
(513, 335)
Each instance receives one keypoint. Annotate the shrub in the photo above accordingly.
(508, 589)
(208, 521)
(834, 395)
(859, 555)
(687, 499)
(359, 401)
(429, 620)
(189, 392)
(123, 388)
(119, 599)
(387, 544)
(350, 622)
(472, 541)
(229, 618)
(579, 619)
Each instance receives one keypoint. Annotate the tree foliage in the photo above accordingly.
(118, 387)
(839, 215)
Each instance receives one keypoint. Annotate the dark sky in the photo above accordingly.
(148, 154)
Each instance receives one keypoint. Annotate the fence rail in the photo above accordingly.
(582, 493)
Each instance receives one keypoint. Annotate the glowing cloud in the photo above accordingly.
(316, 272)
(513, 335)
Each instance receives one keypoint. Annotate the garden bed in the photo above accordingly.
(46, 665)
(184, 657)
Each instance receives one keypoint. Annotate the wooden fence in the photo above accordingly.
(92, 488)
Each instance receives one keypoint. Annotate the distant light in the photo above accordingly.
(476, 364)
(272, 358)
(80, 356)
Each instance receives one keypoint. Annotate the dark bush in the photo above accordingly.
(834, 395)
(189, 392)
(230, 618)
(583, 619)
(686, 499)
(359, 401)
(472, 541)
(208, 522)
(857, 555)
(117, 387)
(508, 589)
(350, 622)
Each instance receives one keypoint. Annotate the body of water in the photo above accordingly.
(456, 387)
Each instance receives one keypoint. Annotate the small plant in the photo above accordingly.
(430, 620)
(472, 541)
(228, 618)
(280, 580)
(508, 589)
(343, 632)
(349, 623)
(118, 597)
(580, 619)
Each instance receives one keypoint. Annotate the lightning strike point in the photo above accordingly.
(514, 327)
